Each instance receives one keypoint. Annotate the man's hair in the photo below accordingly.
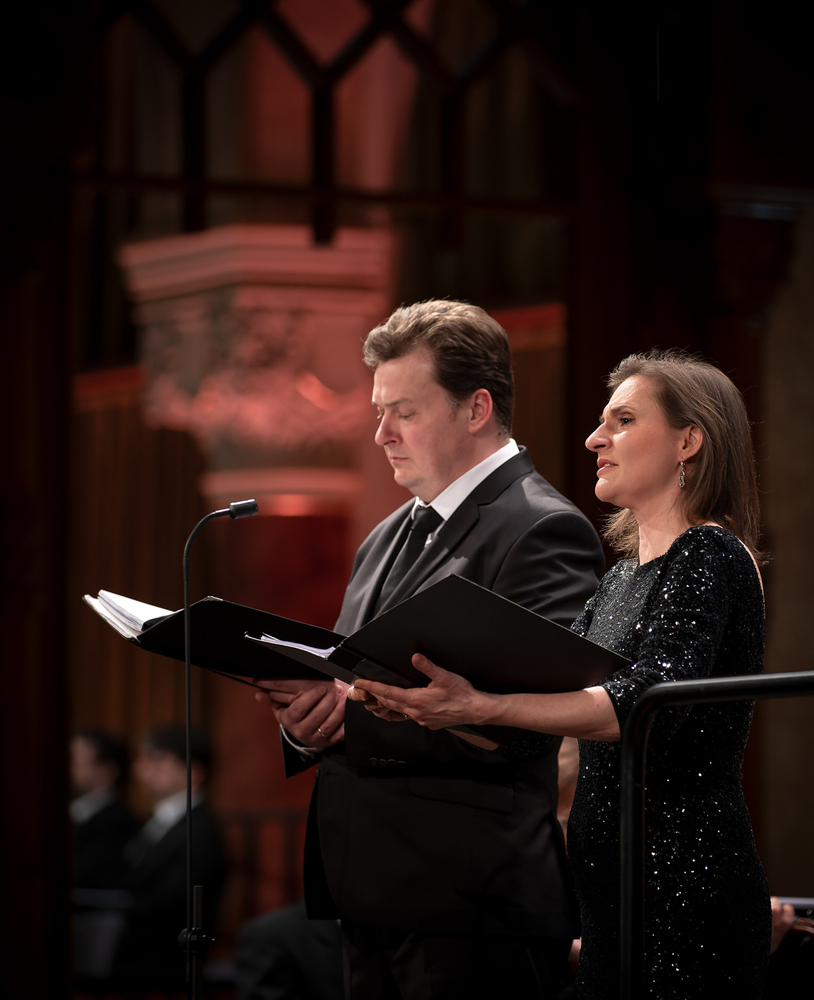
(469, 349)
(721, 479)
(172, 739)
(106, 749)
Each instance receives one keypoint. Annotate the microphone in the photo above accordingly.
(243, 508)
(194, 939)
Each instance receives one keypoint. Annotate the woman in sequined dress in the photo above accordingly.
(674, 456)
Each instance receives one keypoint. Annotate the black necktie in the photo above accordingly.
(425, 520)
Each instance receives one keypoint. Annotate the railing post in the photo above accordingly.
(631, 848)
(632, 793)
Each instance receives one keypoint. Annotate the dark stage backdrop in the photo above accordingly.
(134, 500)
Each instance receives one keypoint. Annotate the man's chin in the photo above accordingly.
(405, 480)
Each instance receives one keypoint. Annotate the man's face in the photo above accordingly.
(87, 774)
(160, 772)
(426, 441)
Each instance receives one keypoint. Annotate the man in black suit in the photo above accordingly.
(148, 954)
(102, 823)
(443, 859)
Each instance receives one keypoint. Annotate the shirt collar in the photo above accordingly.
(168, 811)
(450, 499)
(87, 805)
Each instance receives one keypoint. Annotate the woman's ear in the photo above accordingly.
(692, 438)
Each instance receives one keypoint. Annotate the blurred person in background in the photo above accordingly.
(101, 825)
(283, 955)
(148, 953)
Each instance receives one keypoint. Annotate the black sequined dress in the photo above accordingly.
(696, 611)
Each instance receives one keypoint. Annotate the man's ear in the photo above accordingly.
(198, 774)
(480, 409)
(692, 438)
(112, 773)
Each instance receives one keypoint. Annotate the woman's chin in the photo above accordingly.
(603, 492)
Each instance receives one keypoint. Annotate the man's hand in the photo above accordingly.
(313, 712)
(279, 693)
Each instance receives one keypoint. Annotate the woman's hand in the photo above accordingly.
(356, 693)
(449, 700)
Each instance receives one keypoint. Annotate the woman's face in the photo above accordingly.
(638, 453)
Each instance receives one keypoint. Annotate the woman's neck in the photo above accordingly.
(655, 538)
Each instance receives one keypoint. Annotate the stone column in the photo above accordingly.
(251, 342)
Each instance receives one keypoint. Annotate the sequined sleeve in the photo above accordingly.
(706, 574)
(583, 621)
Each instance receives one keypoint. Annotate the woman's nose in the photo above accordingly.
(594, 440)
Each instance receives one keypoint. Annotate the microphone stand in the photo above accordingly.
(194, 939)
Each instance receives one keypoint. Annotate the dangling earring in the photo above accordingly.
(682, 482)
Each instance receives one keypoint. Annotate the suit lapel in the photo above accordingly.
(382, 557)
(458, 527)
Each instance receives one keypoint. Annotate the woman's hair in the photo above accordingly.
(721, 478)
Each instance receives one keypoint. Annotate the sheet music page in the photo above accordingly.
(324, 653)
(113, 620)
(131, 612)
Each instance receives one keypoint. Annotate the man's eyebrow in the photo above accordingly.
(396, 402)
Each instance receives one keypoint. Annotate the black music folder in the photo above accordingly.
(497, 645)
(218, 629)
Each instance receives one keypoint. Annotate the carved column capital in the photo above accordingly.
(251, 337)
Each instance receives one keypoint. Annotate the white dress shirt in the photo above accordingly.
(84, 806)
(166, 814)
(451, 498)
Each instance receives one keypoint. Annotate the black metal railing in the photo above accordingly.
(632, 821)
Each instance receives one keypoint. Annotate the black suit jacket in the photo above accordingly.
(148, 951)
(99, 847)
(420, 830)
